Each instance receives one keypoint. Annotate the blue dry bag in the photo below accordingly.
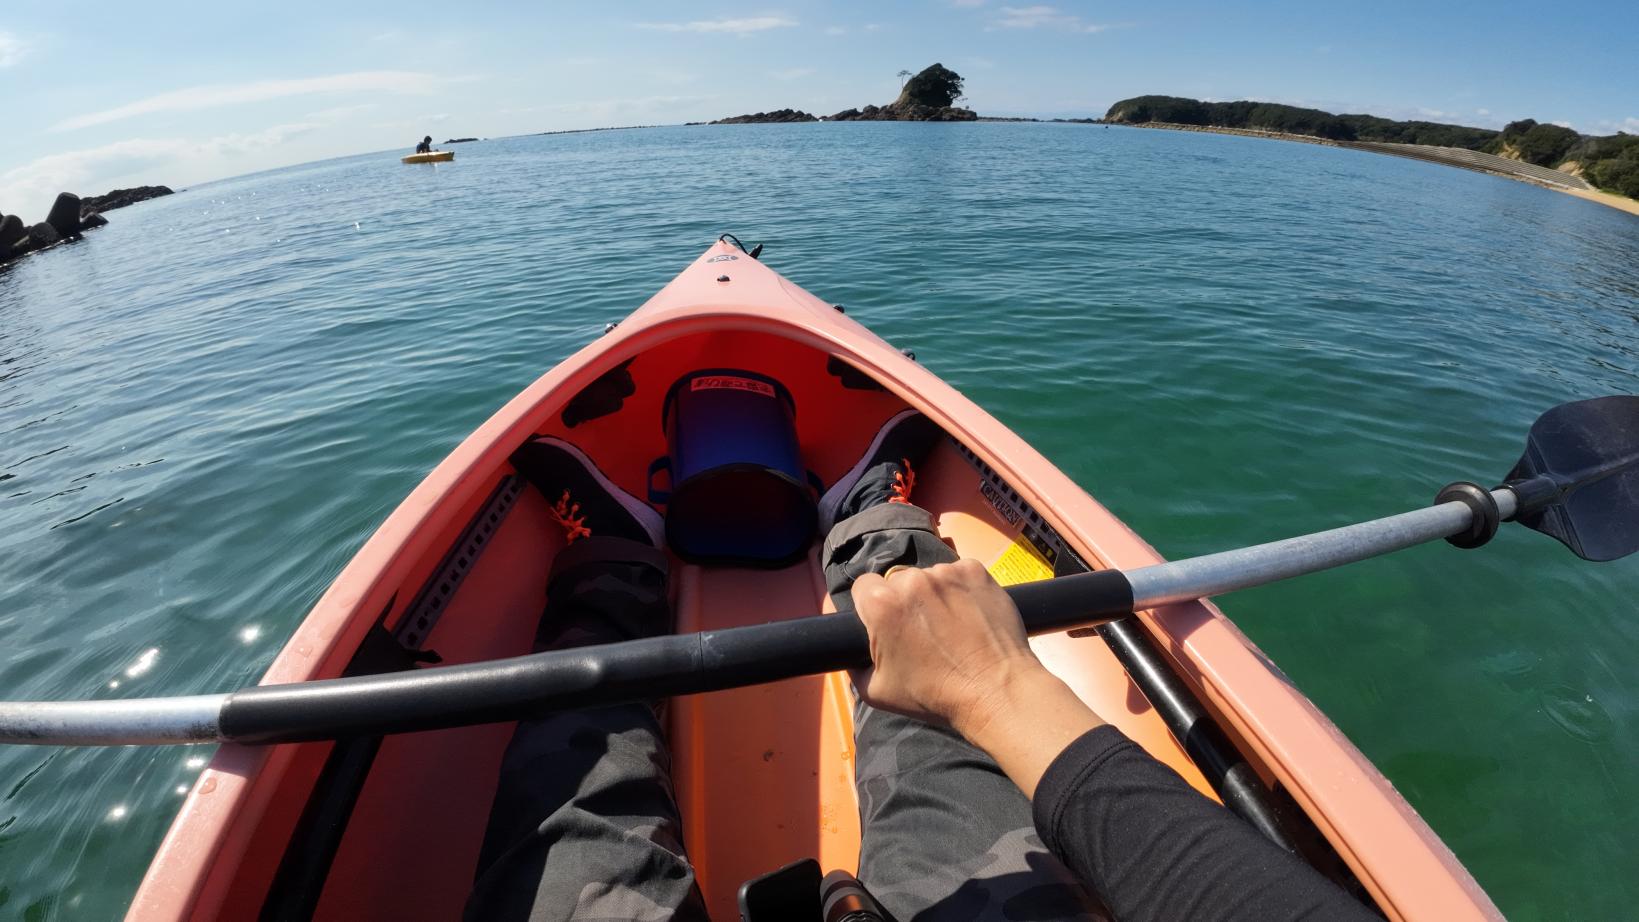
(738, 494)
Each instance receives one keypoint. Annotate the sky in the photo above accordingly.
(97, 95)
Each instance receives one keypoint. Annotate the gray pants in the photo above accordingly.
(585, 825)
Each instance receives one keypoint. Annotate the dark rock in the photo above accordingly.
(119, 198)
(459, 140)
(12, 230)
(906, 112)
(43, 235)
(927, 97)
(65, 214)
(775, 117)
(91, 219)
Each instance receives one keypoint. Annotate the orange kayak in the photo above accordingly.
(437, 156)
(391, 828)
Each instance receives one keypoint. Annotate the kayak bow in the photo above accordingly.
(763, 774)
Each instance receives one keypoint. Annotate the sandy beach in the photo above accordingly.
(1419, 152)
(1622, 202)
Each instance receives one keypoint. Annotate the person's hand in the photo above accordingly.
(948, 647)
(945, 641)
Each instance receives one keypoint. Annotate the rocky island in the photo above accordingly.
(930, 96)
(119, 198)
(761, 118)
(70, 216)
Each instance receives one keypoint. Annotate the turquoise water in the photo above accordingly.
(208, 405)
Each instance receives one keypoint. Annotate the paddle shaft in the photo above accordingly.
(658, 667)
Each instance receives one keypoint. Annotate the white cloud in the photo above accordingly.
(729, 26)
(836, 30)
(338, 113)
(1435, 113)
(1482, 112)
(210, 97)
(92, 171)
(873, 27)
(34, 185)
(1049, 17)
(1562, 123)
(12, 49)
(967, 3)
(791, 73)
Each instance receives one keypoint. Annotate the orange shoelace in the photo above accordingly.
(903, 483)
(568, 515)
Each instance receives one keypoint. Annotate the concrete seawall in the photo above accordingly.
(1474, 160)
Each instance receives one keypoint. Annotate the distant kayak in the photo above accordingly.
(437, 156)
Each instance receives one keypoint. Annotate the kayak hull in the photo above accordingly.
(437, 156)
(763, 775)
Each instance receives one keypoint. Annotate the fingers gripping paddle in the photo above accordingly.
(1578, 482)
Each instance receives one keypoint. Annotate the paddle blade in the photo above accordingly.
(1578, 480)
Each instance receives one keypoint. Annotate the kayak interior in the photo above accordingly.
(391, 827)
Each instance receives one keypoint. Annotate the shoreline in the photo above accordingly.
(1421, 152)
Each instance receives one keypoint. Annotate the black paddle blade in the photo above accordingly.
(1578, 480)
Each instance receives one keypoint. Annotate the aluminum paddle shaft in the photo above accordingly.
(1261, 564)
(426, 699)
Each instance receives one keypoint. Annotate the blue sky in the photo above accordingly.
(100, 94)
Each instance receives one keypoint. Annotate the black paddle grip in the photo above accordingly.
(635, 670)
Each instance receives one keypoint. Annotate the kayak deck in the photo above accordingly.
(763, 775)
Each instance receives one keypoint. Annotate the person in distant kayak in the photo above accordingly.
(426, 145)
(987, 788)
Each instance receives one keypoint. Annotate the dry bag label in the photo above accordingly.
(731, 383)
(1020, 563)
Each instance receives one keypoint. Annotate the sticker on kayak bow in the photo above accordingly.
(732, 383)
(726, 257)
(998, 501)
(1020, 564)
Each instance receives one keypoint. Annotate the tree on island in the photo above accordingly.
(1543, 145)
(937, 86)
(928, 96)
(903, 75)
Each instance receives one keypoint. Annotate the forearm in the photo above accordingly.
(1026, 722)
(1127, 825)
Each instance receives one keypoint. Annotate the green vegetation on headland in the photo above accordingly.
(1610, 162)
(929, 96)
(70, 217)
(761, 118)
